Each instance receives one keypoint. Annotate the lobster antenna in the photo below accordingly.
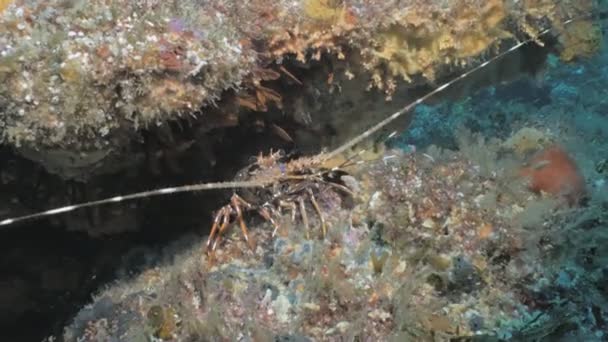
(266, 182)
(143, 194)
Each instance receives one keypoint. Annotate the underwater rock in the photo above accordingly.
(463, 276)
(83, 81)
(419, 257)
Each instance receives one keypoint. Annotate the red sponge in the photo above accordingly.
(554, 172)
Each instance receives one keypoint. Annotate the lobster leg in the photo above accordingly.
(236, 202)
(304, 216)
(313, 200)
(219, 217)
(222, 227)
(268, 217)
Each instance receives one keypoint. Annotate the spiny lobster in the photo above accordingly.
(273, 183)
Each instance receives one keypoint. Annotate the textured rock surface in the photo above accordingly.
(80, 79)
(43, 281)
(436, 248)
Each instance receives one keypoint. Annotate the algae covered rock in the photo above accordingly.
(422, 256)
(80, 80)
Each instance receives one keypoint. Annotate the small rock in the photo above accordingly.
(343, 327)
(379, 315)
(281, 308)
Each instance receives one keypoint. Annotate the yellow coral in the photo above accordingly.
(483, 28)
(539, 8)
(526, 140)
(410, 51)
(325, 10)
(412, 45)
(580, 39)
(4, 4)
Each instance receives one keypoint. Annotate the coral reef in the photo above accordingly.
(80, 80)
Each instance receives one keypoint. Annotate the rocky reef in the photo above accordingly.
(437, 245)
(485, 221)
(83, 81)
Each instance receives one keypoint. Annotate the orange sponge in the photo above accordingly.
(554, 172)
